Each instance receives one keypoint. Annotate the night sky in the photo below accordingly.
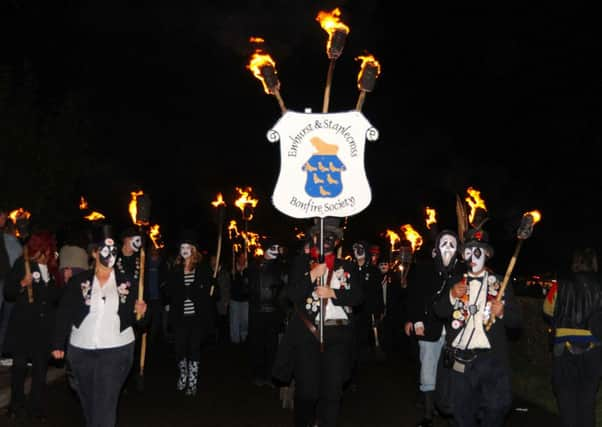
(155, 95)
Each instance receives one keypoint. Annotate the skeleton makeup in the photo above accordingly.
(475, 258)
(272, 252)
(359, 251)
(185, 250)
(107, 253)
(136, 243)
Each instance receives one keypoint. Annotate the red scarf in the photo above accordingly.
(328, 258)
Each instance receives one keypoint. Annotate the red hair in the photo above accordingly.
(44, 242)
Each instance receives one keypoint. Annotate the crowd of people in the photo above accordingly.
(307, 318)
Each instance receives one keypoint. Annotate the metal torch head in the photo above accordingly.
(268, 72)
(526, 227)
(143, 208)
(405, 255)
(368, 78)
(337, 43)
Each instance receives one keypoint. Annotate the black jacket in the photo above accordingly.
(425, 286)
(266, 281)
(30, 324)
(74, 305)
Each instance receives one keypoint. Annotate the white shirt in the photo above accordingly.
(101, 327)
(473, 335)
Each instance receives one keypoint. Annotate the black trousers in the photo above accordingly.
(263, 342)
(320, 375)
(38, 395)
(575, 380)
(99, 376)
(188, 338)
(482, 394)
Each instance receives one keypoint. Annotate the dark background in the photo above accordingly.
(100, 98)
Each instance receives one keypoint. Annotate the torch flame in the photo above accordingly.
(94, 216)
(263, 67)
(232, 230)
(475, 201)
(536, 216)
(133, 206)
(19, 214)
(393, 238)
(83, 204)
(430, 217)
(219, 201)
(412, 236)
(244, 201)
(337, 31)
(155, 236)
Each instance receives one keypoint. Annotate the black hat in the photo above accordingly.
(269, 242)
(331, 225)
(476, 237)
(102, 232)
(189, 236)
(130, 232)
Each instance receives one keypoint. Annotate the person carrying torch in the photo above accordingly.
(320, 363)
(94, 330)
(480, 386)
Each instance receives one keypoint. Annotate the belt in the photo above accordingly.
(469, 355)
(336, 322)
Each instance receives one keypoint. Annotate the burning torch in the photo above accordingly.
(219, 204)
(337, 35)
(366, 79)
(264, 68)
(20, 218)
(407, 251)
(139, 208)
(523, 232)
(246, 206)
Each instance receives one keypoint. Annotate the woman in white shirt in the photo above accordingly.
(98, 312)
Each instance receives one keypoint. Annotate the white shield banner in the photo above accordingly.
(322, 169)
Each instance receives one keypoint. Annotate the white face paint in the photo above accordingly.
(383, 267)
(475, 259)
(448, 245)
(359, 251)
(107, 253)
(272, 252)
(185, 250)
(136, 243)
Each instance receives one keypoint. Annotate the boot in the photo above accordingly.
(183, 374)
(193, 372)
(429, 409)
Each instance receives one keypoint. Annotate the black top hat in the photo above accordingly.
(130, 232)
(331, 225)
(189, 236)
(476, 237)
(102, 232)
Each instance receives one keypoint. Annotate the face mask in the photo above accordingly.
(136, 243)
(107, 253)
(475, 259)
(383, 267)
(272, 252)
(359, 252)
(185, 250)
(447, 248)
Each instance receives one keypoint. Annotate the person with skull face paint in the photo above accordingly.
(192, 309)
(128, 262)
(481, 386)
(266, 279)
(370, 312)
(426, 285)
(94, 329)
(320, 370)
(30, 324)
